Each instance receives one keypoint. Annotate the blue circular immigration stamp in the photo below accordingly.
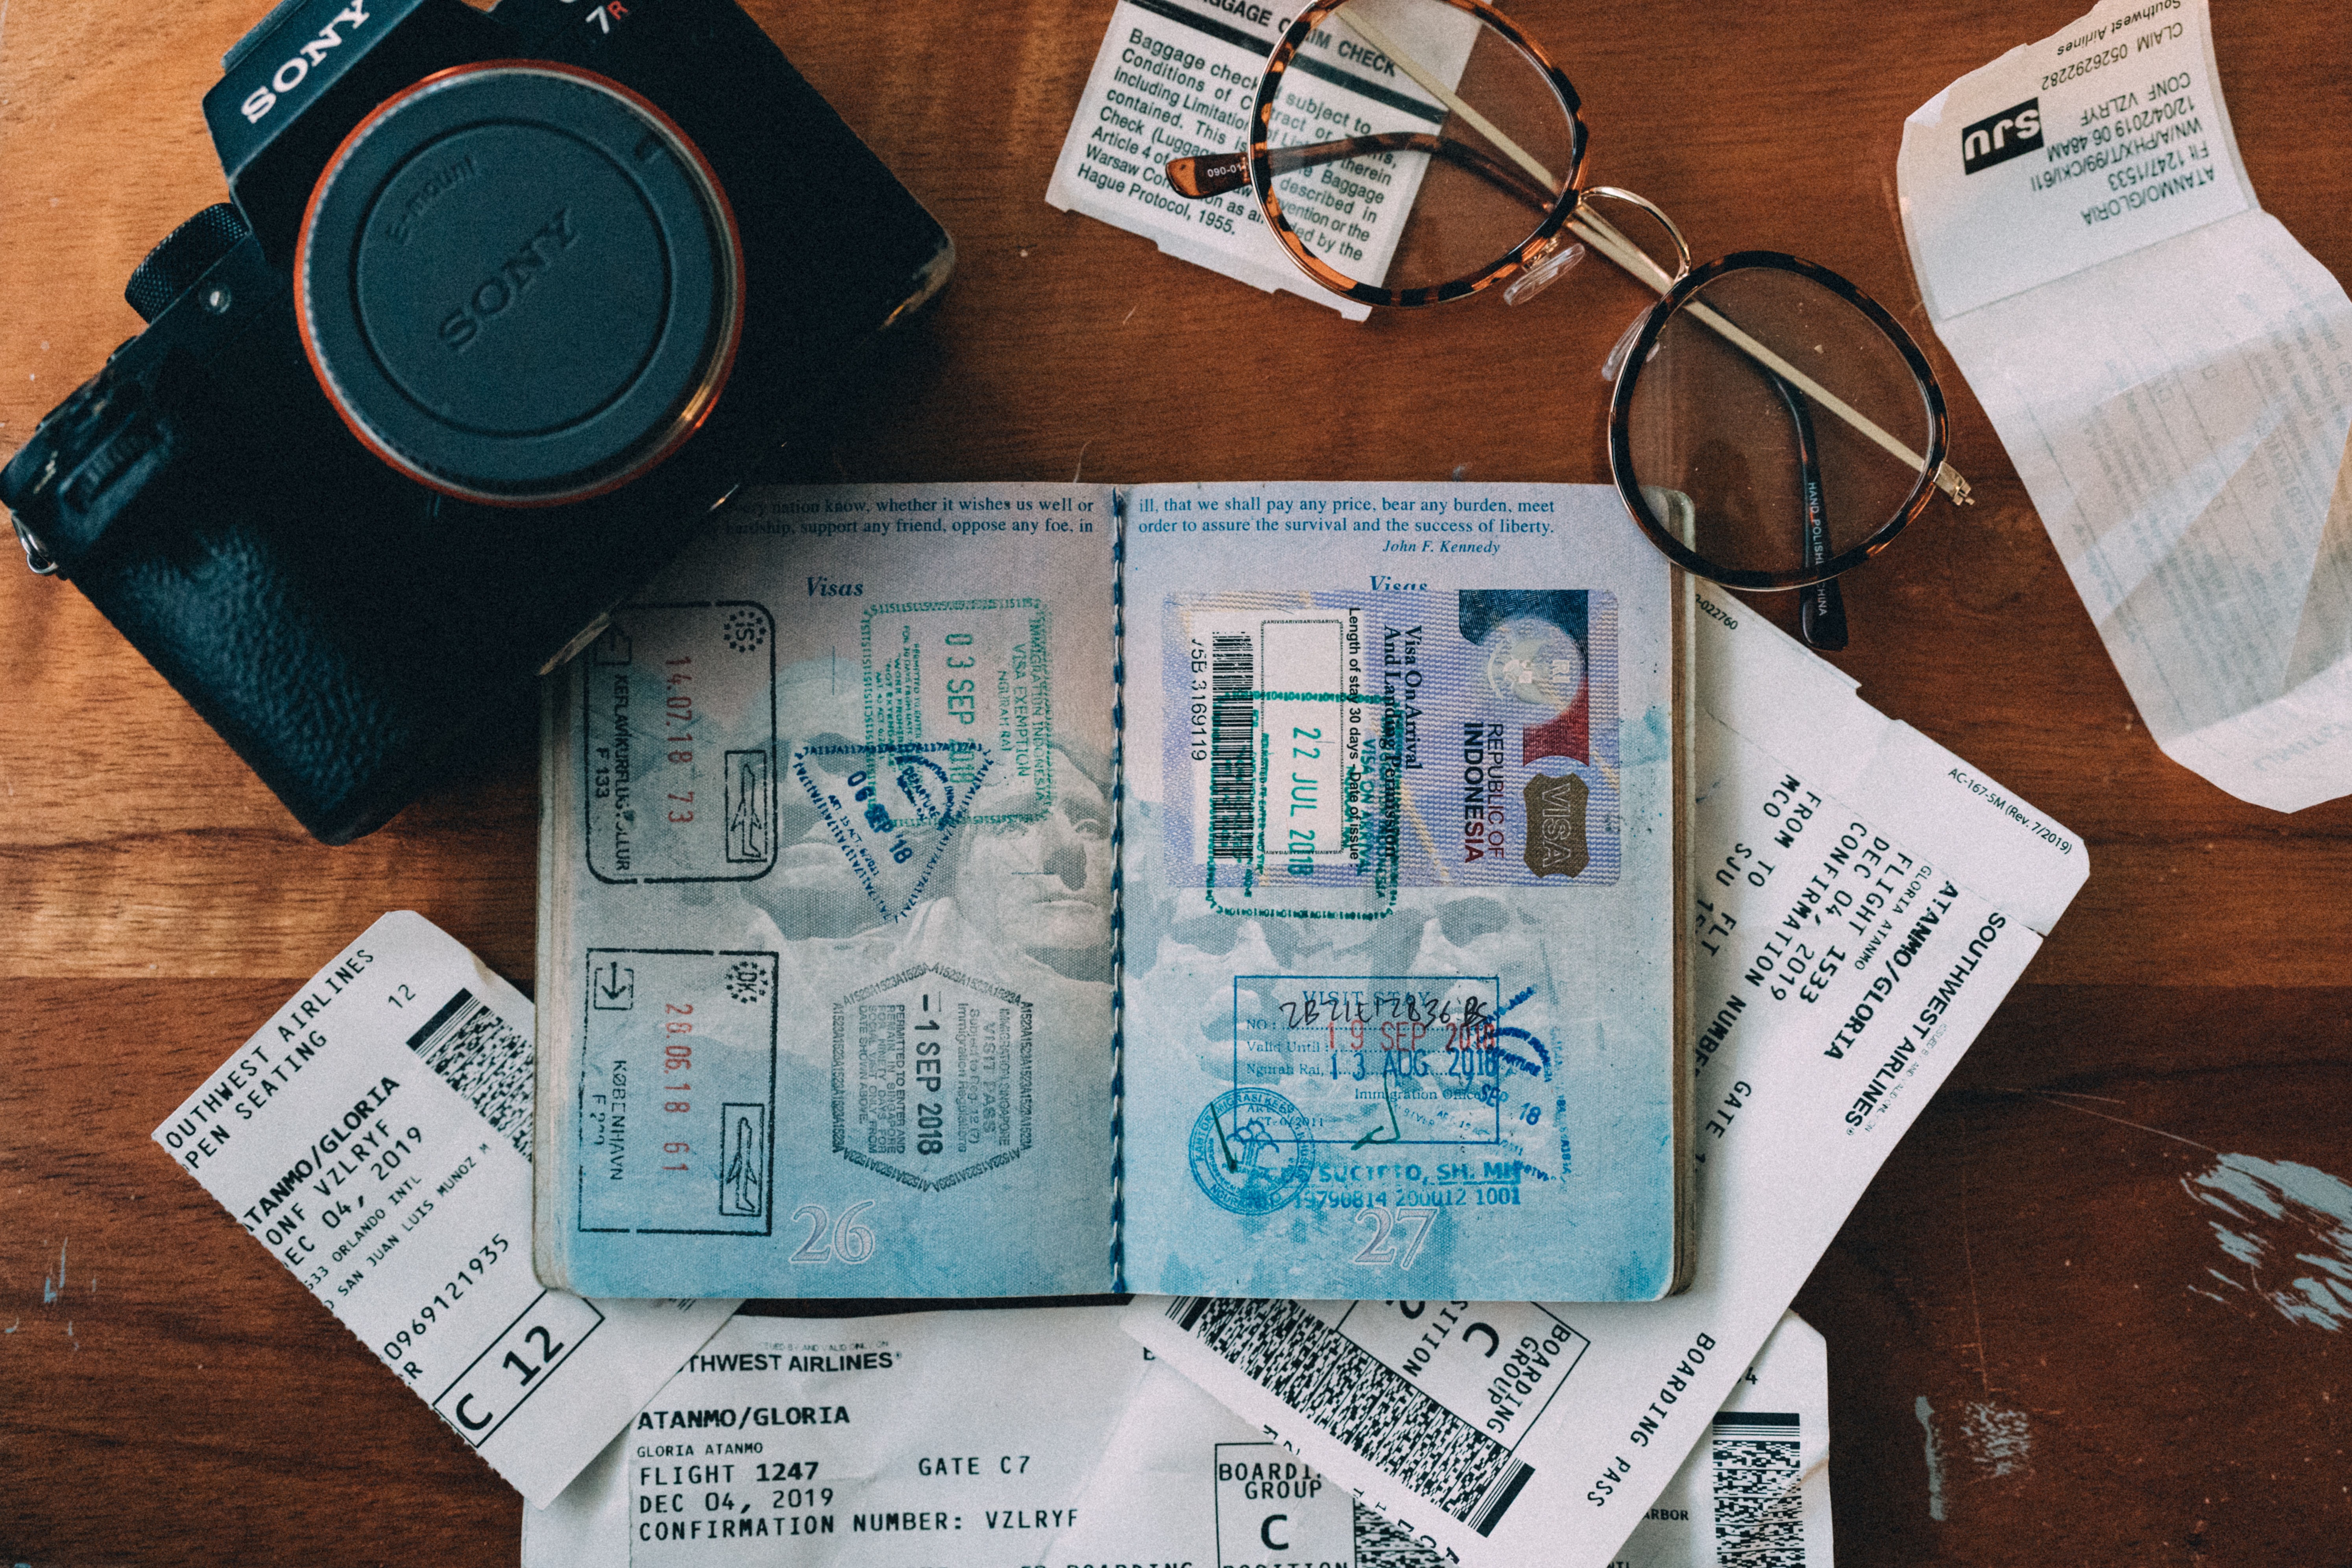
(1249, 1150)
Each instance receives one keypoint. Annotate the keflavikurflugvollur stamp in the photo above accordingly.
(678, 745)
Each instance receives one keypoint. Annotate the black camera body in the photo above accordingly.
(505, 304)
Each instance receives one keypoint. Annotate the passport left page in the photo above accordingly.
(827, 880)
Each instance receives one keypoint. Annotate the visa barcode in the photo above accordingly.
(1233, 762)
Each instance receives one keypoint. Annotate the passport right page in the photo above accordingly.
(1399, 894)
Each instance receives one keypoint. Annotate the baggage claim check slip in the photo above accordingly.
(375, 1135)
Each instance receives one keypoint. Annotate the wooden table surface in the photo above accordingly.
(2040, 1350)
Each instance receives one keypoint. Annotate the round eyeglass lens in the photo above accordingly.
(1413, 145)
(1753, 467)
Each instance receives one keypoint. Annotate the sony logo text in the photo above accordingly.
(289, 77)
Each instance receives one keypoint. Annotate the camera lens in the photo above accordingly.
(519, 283)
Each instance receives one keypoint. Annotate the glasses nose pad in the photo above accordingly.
(1543, 274)
(1615, 363)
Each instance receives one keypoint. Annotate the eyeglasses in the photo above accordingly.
(1409, 151)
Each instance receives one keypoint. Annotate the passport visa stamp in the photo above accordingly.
(677, 1093)
(893, 811)
(968, 680)
(678, 745)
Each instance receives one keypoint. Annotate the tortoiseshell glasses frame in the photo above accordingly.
(1561, 208)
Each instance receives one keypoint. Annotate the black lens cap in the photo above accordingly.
(519, 283)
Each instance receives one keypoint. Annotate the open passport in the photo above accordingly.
(1201, 889)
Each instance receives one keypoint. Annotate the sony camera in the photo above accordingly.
(505, 303)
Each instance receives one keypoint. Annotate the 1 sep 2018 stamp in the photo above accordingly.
(932, 1077)
(678, 738)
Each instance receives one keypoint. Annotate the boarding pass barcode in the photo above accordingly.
(485, 1059)
(1758, 1496)
(1333, 1382)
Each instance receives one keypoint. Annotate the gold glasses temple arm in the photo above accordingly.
(1603, 237)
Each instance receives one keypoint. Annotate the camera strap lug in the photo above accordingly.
(35, 556)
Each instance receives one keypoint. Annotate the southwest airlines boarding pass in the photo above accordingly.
(1044, 1435)
(375, 1135)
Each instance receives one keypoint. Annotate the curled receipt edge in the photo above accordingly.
(1865, 899)
(2170, 372)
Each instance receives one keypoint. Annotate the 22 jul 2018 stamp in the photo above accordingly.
(1324, 747)
(932, 1077)
(678, 745)
(678, 1092)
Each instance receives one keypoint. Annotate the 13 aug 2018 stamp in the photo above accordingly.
(1330, 1071)
(1376, 1060)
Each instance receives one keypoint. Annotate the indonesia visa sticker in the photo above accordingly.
(375, 1135)
(1338, 744)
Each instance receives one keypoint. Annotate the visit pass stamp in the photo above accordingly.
(375, 1135)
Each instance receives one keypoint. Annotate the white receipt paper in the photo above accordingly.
(1183, 1480)
(374, 1135)
(1176, 78)
(1029, 1436)
(1863, 901)
(2170, 372)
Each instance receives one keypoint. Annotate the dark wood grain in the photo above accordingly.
(2030, 1256)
